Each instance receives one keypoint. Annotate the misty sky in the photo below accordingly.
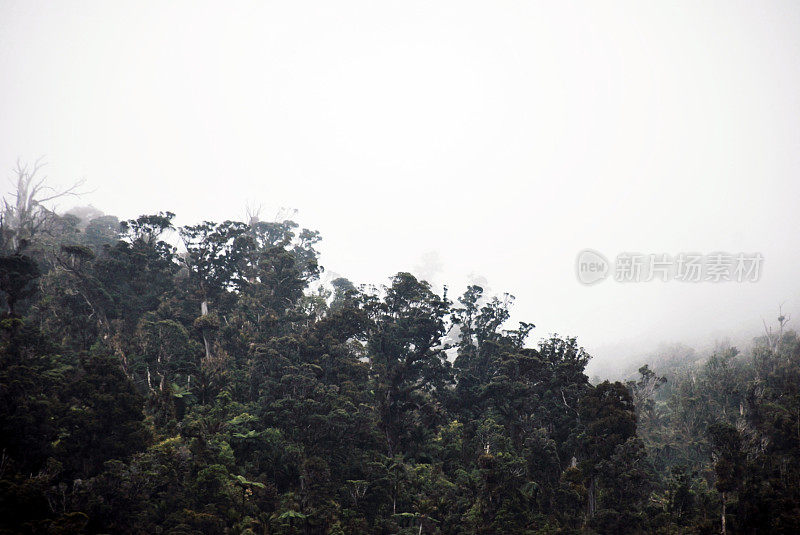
(463, 141)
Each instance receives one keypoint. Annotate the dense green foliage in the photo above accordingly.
(221, 389)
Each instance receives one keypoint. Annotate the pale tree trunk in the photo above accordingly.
(160, 374)
(206, 343)
(149, 382)
(724, 503)
(121, 354)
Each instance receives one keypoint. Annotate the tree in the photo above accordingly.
(407, 359)
(167, 354)
(18, 274)
(102, 230)
(24, 216)
(608, 418)
(104, 420)
(726, 447)
(214, 253)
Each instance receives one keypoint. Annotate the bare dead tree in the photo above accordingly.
(253, 214)
(23, 212)
(774, 338)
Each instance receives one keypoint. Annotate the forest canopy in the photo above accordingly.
(203, 379)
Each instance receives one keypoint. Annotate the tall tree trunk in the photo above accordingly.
(207, 345)
(206, 342)
(591, 505)
(724, 504)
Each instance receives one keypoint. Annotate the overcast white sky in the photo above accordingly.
(467, 141)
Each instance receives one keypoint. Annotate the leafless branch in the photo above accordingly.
(24, 214)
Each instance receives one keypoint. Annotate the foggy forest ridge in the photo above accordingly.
(226, 383)
(452, 268)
